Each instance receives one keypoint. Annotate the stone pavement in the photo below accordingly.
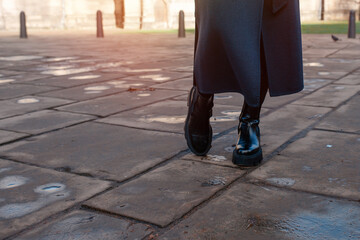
(91, 144)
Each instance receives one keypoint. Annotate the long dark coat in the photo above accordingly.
(227, 47)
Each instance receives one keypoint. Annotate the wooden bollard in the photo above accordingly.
(352, 25)
(181, 24)
(23, 31)
(99, 24)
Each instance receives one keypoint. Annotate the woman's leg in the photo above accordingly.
(248, 150)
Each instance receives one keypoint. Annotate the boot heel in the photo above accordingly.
(247, 160)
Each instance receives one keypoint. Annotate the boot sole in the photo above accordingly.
(247, 160)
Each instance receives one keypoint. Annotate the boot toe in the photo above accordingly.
(201, 144)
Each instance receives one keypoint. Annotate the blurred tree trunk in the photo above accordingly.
(119, 13)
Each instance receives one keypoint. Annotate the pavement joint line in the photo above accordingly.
(42, 133)
(329, 55)
(138, 128)
(261, 183)
(118, 216)
(133, 108)
(202, 204)
(336, 131)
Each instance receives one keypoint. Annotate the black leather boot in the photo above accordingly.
(198, 131)
(248, 151)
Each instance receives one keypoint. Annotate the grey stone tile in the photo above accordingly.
(353, 79)
(322, 162)
(275, 102)
(7, 136)
(28, 104)
(6, 73)
(31, 194)
(255, 212)
(232, 99)
(106, 106)
(95, 90)
(25, 77)
(170, 116)
(155, 76)
(181, 84)
(329, 96)
(42, 121)
(318, 52)
(325, 74)
(87, 225)
(220, 153)
(167, 193)
(281, 125)
(346, 118)
(77, 79)
(16, 90)
(106, 151)
(310, 85)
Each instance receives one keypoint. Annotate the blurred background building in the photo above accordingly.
(136, 14)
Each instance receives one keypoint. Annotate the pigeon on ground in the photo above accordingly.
(335, 38)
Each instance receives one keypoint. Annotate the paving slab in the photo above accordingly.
(42, 121)
(322, 162)
(325, 74)
(236, 99)
(346, 118)
(329, 96)
(31, 194)
(352, 79)
(167, 193)
(87, 225)
(155, 75)
(318, 52)
(181, 84)
(102, 150)
(281, 125)
(95, 90)
(232, 99)
(6, 73)
(170, 116)
(7, 136)
(106, 106)
(28, 104)
(253, 212)
(330, 64)
(310, 85)
(220, 153)
(347, 53)
(17, 90)
(276, 102)
(25, 77)
(77, 79)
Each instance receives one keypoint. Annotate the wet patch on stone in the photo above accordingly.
(86, 225)
(254, 212)
(20, 58)
(31, 194)
(11, 181)
(28, 100)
